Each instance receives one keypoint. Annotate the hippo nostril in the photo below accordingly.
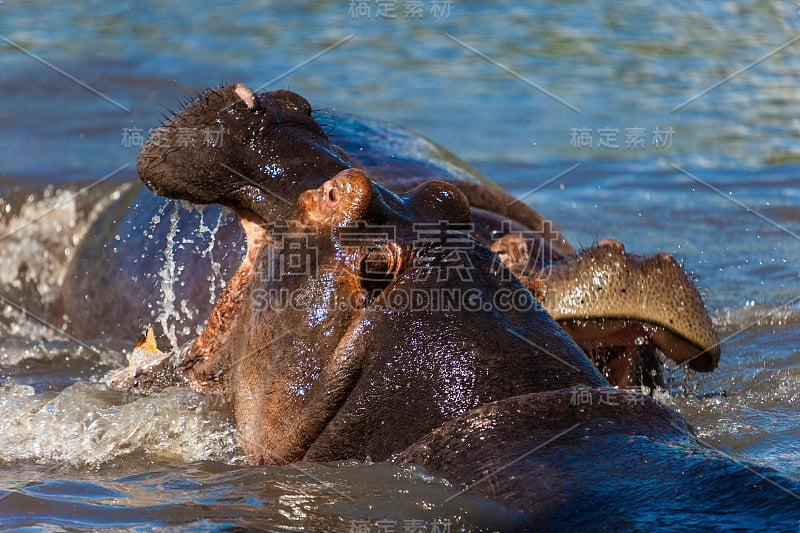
(332, 195)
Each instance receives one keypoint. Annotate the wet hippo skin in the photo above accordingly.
(273, 151)
(492, 397)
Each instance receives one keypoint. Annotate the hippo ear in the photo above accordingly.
(289, 101)
(246, 94)
(439, 200)
(382, 262)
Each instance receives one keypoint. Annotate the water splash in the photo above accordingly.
(169, 315)
(761, 313)
(193, 228)
(40, 233)
(86, 424)
(216, 280)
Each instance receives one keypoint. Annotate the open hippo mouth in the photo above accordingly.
(286, 181)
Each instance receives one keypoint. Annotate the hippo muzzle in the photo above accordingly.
(251, 153)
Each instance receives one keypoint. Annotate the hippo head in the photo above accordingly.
(360, 319)
(254, 153)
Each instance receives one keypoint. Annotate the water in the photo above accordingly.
(722, 193)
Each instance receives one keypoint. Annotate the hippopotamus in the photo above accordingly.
(622, 309)
(368, 319)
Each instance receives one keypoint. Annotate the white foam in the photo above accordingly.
(752, 312)
(88, 425)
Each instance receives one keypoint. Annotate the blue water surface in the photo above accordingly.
(672, 126)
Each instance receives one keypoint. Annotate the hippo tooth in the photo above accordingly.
(146, 351)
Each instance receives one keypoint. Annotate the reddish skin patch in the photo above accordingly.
(204, 354)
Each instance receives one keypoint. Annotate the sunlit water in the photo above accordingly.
(74, 454)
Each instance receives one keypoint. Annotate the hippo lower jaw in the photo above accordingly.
(205, 353)
(615, 305)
